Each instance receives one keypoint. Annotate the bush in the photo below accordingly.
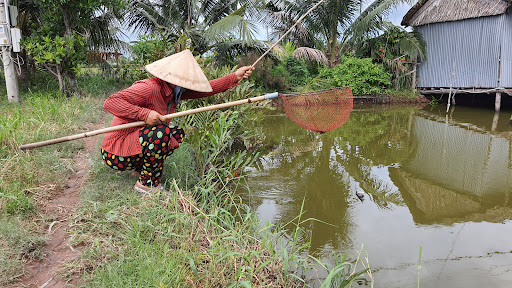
(149, 48)
(298, 71)
(362, 75)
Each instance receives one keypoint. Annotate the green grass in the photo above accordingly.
(166, 240)
(16, 246)
(27, 178)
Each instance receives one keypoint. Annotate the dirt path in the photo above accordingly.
(61, 207)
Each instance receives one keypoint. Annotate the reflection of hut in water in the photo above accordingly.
(431, 204)
(459, 174)
(462, 160)
(468, 44)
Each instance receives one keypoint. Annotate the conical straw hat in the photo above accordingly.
(181, 69)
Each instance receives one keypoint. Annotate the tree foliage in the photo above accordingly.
(336, 27)
(58, 25)
(224, 28)
(59, 55)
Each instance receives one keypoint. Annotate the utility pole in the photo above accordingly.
(11, 81)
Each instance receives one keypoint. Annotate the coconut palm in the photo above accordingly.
(219, 26)
(335, 27)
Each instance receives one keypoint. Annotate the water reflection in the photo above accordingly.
(438, 180)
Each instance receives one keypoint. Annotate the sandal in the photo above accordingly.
(148, 190)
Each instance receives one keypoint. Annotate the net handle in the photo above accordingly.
(142, 123)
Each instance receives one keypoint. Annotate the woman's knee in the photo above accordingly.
(160, 139)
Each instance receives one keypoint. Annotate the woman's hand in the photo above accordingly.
(155, 118)
(243, 72)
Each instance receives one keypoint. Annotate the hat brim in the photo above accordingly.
(181, 69)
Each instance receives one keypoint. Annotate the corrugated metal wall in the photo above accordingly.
(471, 45)
(506, 53)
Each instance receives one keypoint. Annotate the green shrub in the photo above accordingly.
(277, 80)
(297, 70)
(149, 48)
(362, 75)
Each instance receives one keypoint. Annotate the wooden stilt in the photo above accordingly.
(451, 87)
(497, 103)
(414, 67)
(495, 121)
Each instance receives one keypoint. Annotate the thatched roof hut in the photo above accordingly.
(469, 45)
(437, 11)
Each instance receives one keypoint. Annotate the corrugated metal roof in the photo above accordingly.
(436, 11)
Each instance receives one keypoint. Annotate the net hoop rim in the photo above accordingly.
(310, 120)
(317, 91)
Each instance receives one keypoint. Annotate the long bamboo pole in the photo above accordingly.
(142, 123)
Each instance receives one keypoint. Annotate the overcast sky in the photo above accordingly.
(399, 13)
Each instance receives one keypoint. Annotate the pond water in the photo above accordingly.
(435, 180)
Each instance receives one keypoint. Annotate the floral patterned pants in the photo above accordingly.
(156, 145)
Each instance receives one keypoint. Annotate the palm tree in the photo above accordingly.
(335, 27)
(215, 25)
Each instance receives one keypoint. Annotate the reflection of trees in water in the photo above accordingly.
(380, 140)
(304, 163)
(323, 168)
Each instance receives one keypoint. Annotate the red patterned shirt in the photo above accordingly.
(134, 104)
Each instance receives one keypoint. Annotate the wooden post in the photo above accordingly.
(397, 74)
(495, 121)
(497, 102)
(451, 87)
(414, 67)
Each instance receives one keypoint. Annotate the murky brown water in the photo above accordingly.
(442, 182)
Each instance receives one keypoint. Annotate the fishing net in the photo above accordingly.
(319, 111)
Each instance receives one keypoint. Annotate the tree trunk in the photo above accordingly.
(67, 23)
(414, 67)
(62, 81)
(73, 88)
(25, 68)
(333, 43)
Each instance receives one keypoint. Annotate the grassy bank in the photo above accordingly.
(200, 234)
(28, 179)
